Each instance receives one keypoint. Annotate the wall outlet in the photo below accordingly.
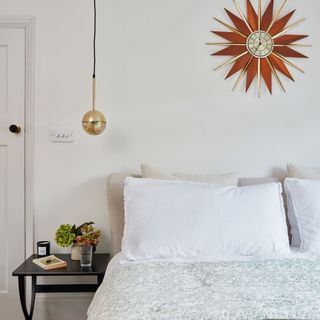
(61, 135)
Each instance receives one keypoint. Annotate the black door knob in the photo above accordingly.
(14, 129)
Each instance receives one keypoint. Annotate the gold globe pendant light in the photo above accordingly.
(94, 122)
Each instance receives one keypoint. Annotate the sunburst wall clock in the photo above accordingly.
(259, 45)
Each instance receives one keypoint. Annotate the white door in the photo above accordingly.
(12, 189)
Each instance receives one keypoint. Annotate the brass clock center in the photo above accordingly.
(260, 44)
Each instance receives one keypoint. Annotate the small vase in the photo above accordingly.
(75, 252)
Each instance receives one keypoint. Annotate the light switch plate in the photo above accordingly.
(61, 135)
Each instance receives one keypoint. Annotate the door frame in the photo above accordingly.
(28, 24)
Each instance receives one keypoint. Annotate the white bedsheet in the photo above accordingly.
(114, 264)
(117, 261)
(247, 289)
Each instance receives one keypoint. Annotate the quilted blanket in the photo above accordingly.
(236, 290)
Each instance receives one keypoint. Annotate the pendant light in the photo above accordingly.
(94, 122)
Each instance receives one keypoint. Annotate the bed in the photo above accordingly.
(278, 287)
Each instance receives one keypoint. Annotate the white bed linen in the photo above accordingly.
(304, 207)
(169, 219)
(118, 260)
(255, 289)
(114, 264)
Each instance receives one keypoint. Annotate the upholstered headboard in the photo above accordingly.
(115, 186)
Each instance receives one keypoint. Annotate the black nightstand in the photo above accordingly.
(28, 268)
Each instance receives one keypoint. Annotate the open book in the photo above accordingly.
(50, 262)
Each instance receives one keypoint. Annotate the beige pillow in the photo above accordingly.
(300, 172)
(229, 179)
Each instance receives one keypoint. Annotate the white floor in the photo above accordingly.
(62, 307)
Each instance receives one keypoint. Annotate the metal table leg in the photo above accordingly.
(22, 294)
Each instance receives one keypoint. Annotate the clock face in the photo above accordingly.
(260, 44)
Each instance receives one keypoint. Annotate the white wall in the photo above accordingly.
(164, 104)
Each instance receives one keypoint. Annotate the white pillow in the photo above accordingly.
(171, 219)
(304, 211)
(300, 172)
(228, 179)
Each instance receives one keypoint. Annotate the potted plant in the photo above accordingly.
(70, 235)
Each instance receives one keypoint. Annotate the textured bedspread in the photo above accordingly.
(272, 289)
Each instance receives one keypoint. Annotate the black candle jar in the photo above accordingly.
(43, 248)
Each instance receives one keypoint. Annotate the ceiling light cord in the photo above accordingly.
(94, 122)
(94, 38)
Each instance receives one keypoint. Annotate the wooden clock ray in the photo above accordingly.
(259, 45)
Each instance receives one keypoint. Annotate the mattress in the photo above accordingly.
(255, 289)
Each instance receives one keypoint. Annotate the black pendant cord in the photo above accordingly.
(94, 39)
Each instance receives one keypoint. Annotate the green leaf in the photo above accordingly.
(73, 229)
